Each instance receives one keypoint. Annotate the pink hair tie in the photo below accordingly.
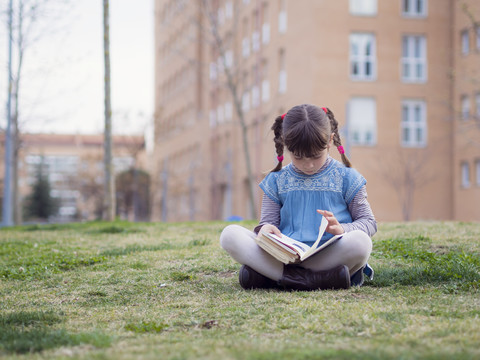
(283, 115)
(280, 158)
(325, 109)
(341, 150)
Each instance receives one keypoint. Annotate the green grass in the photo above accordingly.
(168, 291)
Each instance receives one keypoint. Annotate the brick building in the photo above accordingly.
(401, 76)
(74, 167)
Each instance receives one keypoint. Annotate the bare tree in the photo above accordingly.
(406, 171)
(232, 82)
(29, 25)
(109, 211)
(474, 79)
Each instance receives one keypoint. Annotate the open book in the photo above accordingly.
(290, 251)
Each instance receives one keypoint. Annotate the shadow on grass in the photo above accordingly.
(23, 332)
(90, 227)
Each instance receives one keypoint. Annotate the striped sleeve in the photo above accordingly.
(270, 213)
(362, 215)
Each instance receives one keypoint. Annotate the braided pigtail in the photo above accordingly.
(278, 139)
(336, 137)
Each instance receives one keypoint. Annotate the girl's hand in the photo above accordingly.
(270, 229)
(334, 226)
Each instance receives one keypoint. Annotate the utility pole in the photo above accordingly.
(109, 200)
(7, 192)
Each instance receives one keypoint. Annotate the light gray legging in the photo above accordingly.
(353, 250)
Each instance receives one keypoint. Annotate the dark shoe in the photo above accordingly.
(250, 279)
(358, 278)
(298, 278)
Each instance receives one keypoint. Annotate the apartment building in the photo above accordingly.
(401, 76)
(466, 110)
(74, 167)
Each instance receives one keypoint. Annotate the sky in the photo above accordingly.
(62, 87)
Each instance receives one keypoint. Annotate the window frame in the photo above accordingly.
(412, 13)
(282, 17)
(465, 106)
(477, 106)
(465, 175)
(351, 125)
(362, 40)
(413, 125)
(477, 37)
(355, 5)
(477, 172)
(465, 41)
(409, 58)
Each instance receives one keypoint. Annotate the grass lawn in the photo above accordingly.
(168, 291)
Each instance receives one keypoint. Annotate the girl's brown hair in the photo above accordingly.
(305, 130)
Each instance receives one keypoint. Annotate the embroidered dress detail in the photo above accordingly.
(328, 180)
(299, 196)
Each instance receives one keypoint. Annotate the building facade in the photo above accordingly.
(402, 78)
(74, 167)
(466, 110)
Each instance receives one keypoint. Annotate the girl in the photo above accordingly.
(294, 196)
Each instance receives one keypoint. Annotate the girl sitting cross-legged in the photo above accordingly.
(294, 196)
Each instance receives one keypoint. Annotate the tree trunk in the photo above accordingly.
(7, 182)
(109, 200)
(233, 88)
(17, 208)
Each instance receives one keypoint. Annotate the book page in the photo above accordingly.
(299, 247)
(321, 231)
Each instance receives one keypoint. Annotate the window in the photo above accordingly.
(465, 107)
(220, 67)
(282, 75)
(363, 7)
(255, 41)
(362, 56)
(213, 118)
(362, 121)
(265, 25)
(220, 114)
(465, 42)
(122, 163)
(477, 105)
(246, 47)
(255, 96)
(477, 171)
(265, 33)
(414, 123)
(213, 71)
(477, 41)
(282, 17)
(265, 82)
(221, 16)
(265, 90)
(246, 39)
(414, 59)
(414, 8)
(246, 92)
(229, 9)
(465, 175)
(228, 111)
(245, 102)
(228, 59)
(255, 32)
